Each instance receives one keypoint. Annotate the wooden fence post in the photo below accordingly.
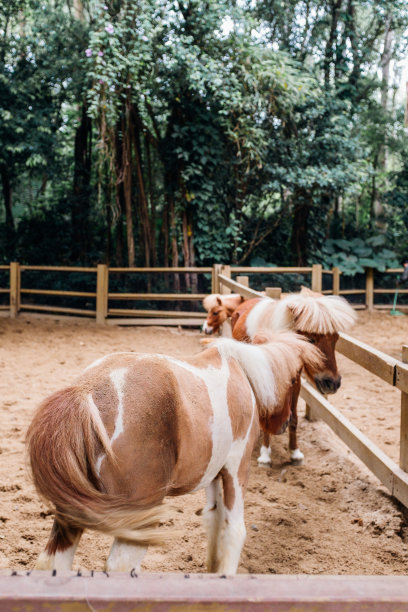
(317, 278)
(15, 285)
(215, 285)
(226, 331)
(243, 280)
(273, 292)
(102, 288)
(226, 271)
(336, 281)
(404, 420)
(369, 298)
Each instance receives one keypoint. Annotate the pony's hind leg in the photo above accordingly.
(60, 550)
(213, 516)
(265, 451)
(234, 533)
(125, 556)
(296, 455)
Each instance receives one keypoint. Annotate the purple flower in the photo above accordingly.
(145, 38)
(101, 82)
(100, 53)
(109, 28)
(105, 8)
(88, 52)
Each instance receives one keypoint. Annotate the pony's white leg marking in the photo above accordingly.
(61, 560)
(124, 556)
(296, 455)
(265, 455)
(234, 534)
(213, 517)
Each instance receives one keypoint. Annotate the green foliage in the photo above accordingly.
(202, 132)
(353, 256)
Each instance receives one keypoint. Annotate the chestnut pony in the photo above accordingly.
(317, 317)
(219, 308)
(135, 428)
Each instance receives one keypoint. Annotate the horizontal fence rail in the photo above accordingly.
(98, 300)
(389, 369)
(81, 592)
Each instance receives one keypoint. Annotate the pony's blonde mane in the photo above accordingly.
(319, 314)
(230, 301)
(306, 311)
(271, 363)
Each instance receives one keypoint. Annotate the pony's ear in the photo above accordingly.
(306, 292)
(219, 301)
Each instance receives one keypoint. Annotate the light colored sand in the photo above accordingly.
(329, 516)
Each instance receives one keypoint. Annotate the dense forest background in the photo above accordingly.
(189, 132)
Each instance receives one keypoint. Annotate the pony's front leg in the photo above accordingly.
(265, 451)
(125, 556)
(60, 550)
(213, 516)
(296, 455)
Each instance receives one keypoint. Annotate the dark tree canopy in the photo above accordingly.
(181, 132)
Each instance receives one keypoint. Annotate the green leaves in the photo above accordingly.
(353, 256)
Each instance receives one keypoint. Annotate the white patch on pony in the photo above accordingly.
(254, 362)
(234, 533)
(264, 455)
(124, 556)
(254, 316)
(216, 381)
(207, 328)
(118, 379)
(296, 455)
(62, 560)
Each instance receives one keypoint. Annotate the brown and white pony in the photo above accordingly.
(219, 308)
(135, 428)
(319, 318)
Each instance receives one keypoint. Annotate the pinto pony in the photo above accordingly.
(219, 308)
(136, 428)
(317, 317)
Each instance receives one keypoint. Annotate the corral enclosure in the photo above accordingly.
(328, 516)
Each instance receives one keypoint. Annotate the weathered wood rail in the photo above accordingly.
(392, 371)
(41, 592)
(100, 301)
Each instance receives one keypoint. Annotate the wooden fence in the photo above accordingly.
(389, 369)
(101, 301)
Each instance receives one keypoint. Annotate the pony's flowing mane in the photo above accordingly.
(271, 363)
(308, 312)
(230, 301)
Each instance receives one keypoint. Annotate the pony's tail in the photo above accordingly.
(64, 440)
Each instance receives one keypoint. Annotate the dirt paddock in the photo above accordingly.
(329, 516)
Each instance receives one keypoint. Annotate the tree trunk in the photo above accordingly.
(174, 247)
(81, 186)
(8, 197)
(127, 189)
(299, 232)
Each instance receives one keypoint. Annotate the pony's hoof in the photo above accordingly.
(264, 458)
(296, 457)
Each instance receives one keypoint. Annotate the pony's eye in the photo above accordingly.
(312, 341)
(216, 313)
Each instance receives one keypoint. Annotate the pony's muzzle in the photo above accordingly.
(206, 329)
(327, 384)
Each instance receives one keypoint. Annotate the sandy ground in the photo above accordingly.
(329, 516)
